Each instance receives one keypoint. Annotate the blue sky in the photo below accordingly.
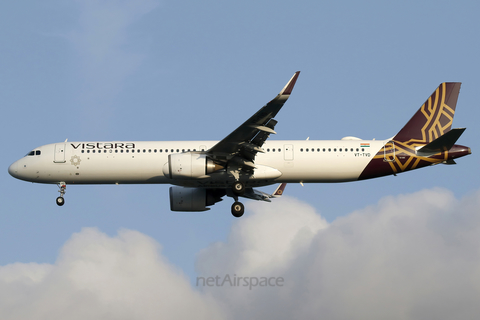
(190, 70)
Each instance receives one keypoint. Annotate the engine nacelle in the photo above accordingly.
(189, 166)
(194, 199)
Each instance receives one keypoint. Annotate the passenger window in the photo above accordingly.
(83, 151)
(329, 149)
(149, 150)
(121, 151)
(301, 150)
(268, 150)
(340, 149)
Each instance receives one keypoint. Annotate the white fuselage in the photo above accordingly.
(140, 162)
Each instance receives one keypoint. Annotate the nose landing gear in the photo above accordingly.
(62, 186)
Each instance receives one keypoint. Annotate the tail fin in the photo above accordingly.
(434, 118)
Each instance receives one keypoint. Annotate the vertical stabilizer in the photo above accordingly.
(423, 141)
(434, 118)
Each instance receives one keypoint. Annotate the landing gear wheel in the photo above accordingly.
(238, 188)
(61, 186)
(237, 209)
(60, 201)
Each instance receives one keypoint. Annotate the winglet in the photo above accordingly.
(287, 90)
(279, 191)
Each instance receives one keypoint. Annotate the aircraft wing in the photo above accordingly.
(241, 146)
(251, 193)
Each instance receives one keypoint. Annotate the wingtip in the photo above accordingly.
(280, 190)
(287, 90)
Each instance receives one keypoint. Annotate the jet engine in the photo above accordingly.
(194, 199)
(189, 166)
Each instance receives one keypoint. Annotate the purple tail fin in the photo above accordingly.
(434, 118)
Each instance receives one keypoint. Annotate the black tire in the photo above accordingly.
(60, 201)
(238, 188)
(237, 209)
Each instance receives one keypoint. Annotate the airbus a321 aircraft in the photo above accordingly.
(203, 172)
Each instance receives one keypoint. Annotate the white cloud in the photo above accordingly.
(265, 240)
(412, 256)
(100, 277)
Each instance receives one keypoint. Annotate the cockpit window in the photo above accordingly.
(33, 153)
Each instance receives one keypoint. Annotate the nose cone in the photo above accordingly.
(13, 169)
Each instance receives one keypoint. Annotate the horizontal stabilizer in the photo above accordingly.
(441, 144)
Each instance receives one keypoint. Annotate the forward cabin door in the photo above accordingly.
(59, 156)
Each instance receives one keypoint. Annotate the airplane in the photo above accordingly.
(203, 172)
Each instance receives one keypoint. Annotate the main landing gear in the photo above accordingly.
(238, 208)
(238, 188)
(62, 186)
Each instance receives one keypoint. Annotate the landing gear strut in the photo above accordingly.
(237, 209)
(62, 186)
